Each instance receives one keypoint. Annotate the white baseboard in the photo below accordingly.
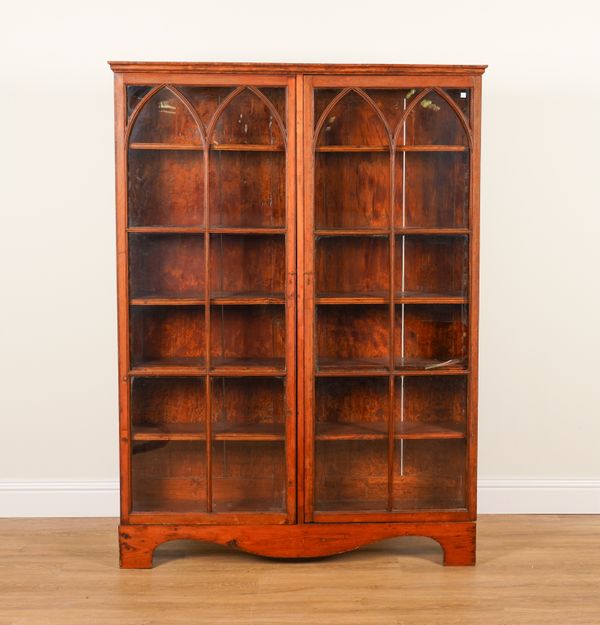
(87, 498)
(496, 496)
(539, 496)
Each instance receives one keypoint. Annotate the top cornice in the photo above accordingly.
(122, 67)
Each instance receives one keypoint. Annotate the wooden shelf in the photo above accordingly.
(379, 367)
(170, 367)
(410, 430)
(332, 431)
(386, 148)
(245, 230)
(370, 232)
(382, 298)
(166, 300)
(239, 299)
(352, 298)
(164, 146)
(182, 367)
(432, 148)
(250, 432)
(246, 147)
(247, 366)
(351, 232)
(201, 230)
(360, 367)
(222, 147)
(169, 432)
(217, 299)
(432, 231)
(352, 148)
(429, 365)
(429, 298)
(197, 432)
(166, 229)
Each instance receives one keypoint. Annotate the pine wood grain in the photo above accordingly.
(532, 570)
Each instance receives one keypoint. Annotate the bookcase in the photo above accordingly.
(298, 302)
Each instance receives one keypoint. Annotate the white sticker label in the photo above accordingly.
(463, 94)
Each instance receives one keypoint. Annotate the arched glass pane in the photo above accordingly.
(434, 122)
(392, 102)
(462, 99)
(276, 96)
(322, 98)
(247, 120)
(353, 122)
(135, 94)
(205, 100)
(165, 119)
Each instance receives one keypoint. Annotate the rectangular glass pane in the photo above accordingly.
(431, 336)
(431, 266)
(248, 476)
(247, 265)
(347, 266)
(430, 474)
(248, 337)
(352, 336)
(168, 476)
(165, 336)
(351, 475)
(166, 265)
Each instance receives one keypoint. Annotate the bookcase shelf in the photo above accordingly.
(385, 148)
(197, 432)
(334, 431)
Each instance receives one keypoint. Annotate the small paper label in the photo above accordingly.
(463, 94)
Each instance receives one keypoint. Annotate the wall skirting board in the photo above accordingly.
(100, 498)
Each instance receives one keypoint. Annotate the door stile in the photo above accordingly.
(207, 329)
(392, 327)
(474, 219)
(307, 269)
(123, 299)
(300, 321)
(291, 415)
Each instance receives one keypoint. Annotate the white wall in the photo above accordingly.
(540, 319)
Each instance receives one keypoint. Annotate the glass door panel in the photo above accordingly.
(388, 247)
(211, 247)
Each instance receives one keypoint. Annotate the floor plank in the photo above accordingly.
(531, 570)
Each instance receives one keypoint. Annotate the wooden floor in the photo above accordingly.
(531, 569)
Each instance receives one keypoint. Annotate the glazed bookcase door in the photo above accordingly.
(209, 393)
(388, 306)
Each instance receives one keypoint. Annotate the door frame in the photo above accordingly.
(306, 83)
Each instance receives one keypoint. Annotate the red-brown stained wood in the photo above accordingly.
(174, 67)
(138, 542)
(381, 439)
